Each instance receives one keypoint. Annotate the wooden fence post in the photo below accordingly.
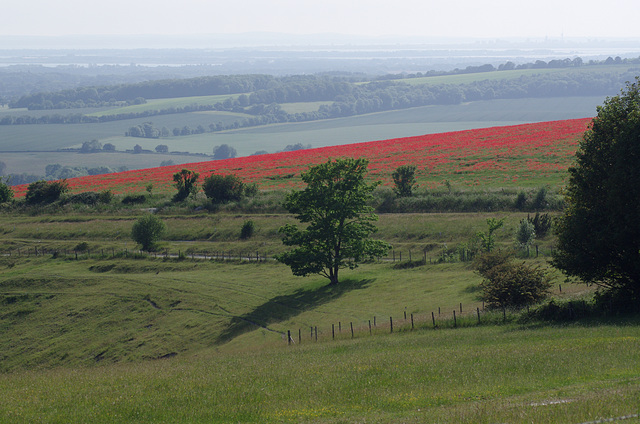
(369, 327)
(478, 311)
(351, 329)
(412, 321)
(333, 331)
(433, 318)
(289, 336)
(391, 323)
(454, 319)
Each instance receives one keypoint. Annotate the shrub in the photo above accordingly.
(525, 234)
(6, 193)
(147, 230)
(132, 199)
(105, 197)
(247, 230)
(86, 198)
(186, 182)
(223, 188)
(541, 223)
(540, 200)
(521, 201)
(511, 285)
(45, 192)
(404, 178)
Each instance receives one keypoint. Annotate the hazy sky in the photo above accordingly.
(449, 18)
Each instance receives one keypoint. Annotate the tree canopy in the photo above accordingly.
(334, 205)
(599, 233)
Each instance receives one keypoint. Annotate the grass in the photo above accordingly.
(513, 74)
(479, 375)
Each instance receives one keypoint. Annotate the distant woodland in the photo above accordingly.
(260, 96)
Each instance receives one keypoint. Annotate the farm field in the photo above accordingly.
(273, 138)
(512, 74)
(515, 156)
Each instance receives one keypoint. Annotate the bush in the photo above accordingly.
(511, 285)
(45, 192)
(404, 178)
(247, 230)
(132, 199)
(147, 231)
(186, 182)
(525, 234)
(223, 188)
(105, 197)
(86, 198)
(6, 193)
(541, 223)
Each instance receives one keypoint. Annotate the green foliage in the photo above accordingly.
(134, 199)
(525, 234)
(186, 182)
(540, 200)
(105, 196)
(541, 223)
(599, 233)
(334, 204)
(511, 285)
(6, 193)
(404, 179)
(248, 228)
(147, 230)
(42, 192)
(487, 239)
(223, 188)
(521, 201)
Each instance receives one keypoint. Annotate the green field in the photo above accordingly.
(510, 75)
(107, 339)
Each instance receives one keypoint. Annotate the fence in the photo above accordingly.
(459, 317)
(408, 257)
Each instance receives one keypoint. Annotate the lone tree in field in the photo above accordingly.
(186, 183)
(147, 230)
(334, 205)
(404, 178)
(599, 233)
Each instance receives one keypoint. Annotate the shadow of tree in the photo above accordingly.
(281, 308)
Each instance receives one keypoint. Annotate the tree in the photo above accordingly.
(334, 205)
(147, 230)
(404, 179)
(224, 152)
(186, 182)
(525, 234)
(223, 188)
(162, 148)
(488, 240)
(510, 285)
(91, 146)
(599, 232)
(45, 191)
(6, 193)
(109, 147)
(3, 167)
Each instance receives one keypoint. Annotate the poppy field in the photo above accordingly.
(512, 156)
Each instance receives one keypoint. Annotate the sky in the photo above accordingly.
(421, 18)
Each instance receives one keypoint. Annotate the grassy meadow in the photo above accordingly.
(94, 331)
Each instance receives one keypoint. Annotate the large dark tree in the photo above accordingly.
(334, 205)
(599, 233)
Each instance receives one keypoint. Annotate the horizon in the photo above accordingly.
(332, 20)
